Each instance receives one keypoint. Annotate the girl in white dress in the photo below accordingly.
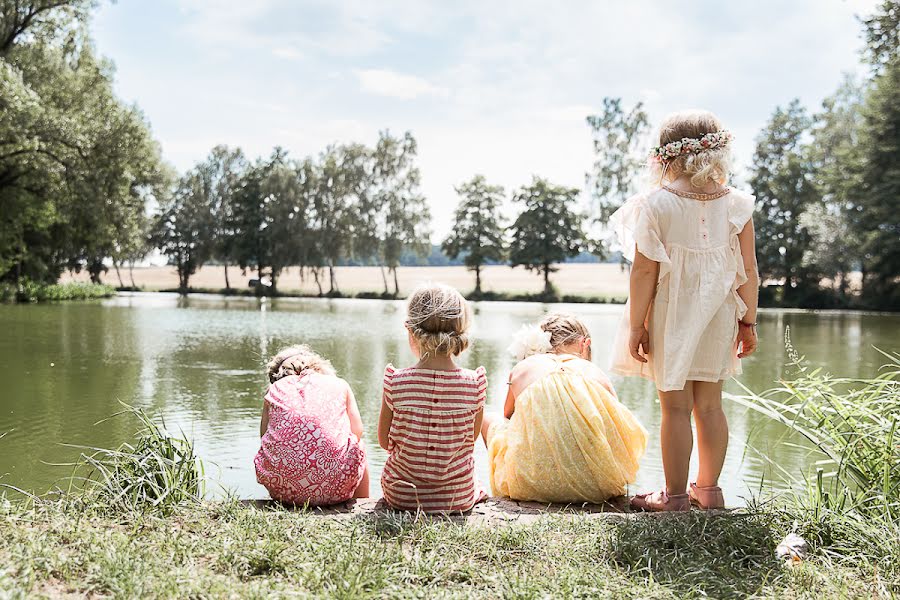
(691, 312)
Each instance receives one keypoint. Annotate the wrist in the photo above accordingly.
(743, 323)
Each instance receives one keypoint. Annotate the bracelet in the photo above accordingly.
(740, 322)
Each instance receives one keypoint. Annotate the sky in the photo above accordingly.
(497, 88)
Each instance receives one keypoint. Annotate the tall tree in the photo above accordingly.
(882, 33)
(782, 182)
(477, 231)
(548, 230)
(221, 173)
(880, 187)
(405, 215)
(185, 228)
(618, 139)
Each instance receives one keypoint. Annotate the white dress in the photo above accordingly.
(694, 314)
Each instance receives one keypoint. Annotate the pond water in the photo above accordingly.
(198, 363)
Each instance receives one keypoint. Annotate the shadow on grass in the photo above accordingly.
(719, 555)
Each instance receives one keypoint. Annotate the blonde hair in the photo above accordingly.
(296, 360)
(438, 318)
(704, 167)
(564, 329)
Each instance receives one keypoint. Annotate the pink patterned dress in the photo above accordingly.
(308, 453)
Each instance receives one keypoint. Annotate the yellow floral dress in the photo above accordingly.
(569, 440)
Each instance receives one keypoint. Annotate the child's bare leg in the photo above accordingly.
(362, 490)
(676, 437)
(712, 431)
(486, 426)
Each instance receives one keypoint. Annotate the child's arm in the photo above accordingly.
(479, 419)
(509, 406)
(384, 424)
(749, 291)
(264, 421)
(356, 424)
(642, 285)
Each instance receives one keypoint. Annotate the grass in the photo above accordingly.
(850, 509)
(157, 473)
(30, 291)
(227, 549)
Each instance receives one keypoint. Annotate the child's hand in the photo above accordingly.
(639, 340)
(746, 340)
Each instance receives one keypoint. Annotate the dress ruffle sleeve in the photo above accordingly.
(388, 385)
(636, 227)
(740, 211)
(481, 377)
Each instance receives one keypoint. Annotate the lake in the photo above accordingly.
(198, 362)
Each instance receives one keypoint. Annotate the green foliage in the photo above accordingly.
(77, 166)
(618, 153)
(158, 473)
(477, 227)
(855, 424)
(781, 181)
(879, 220)
(882, 34)
(31, 291)
(548, 230)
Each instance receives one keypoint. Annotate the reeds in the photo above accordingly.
(158, 472)
(854, 423)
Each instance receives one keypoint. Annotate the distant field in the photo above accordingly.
(584, 279)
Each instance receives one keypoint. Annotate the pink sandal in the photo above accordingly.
(661, 502)
(707, 498)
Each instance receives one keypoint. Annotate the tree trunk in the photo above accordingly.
(118, 273)
(315, 272)
(227, 283)
(396, 285)
(477, 280)
(384, 279)
(547, 287)
(131, 274)
(332, 284)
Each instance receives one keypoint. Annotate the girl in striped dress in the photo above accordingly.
(431, 412)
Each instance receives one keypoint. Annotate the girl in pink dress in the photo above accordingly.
(312, 450)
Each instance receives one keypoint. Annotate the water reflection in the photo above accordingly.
(199, 363)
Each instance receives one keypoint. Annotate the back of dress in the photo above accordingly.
(431, 466)
(693, 319)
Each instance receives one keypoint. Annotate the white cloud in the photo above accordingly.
(384, 82)
(287, 53)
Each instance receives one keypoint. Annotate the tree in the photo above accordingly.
(880, 189)
(882, 33)
(618, 157)
(221, 174)
(835, 244)
(548, 230)
(184, 229)
(477, 226)
(405, 215)
(782, 182)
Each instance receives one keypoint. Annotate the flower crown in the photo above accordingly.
(672, 150)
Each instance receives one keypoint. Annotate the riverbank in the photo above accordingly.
(29, 291)
(586, 280)
(57, 548)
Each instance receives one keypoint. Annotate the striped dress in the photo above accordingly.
(430, 466)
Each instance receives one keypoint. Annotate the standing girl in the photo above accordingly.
(312, 449)
(691, 312)
(431, 412)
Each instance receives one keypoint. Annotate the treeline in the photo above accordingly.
(314, 213)
(827, 187)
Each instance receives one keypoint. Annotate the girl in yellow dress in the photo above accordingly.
(566, 438)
